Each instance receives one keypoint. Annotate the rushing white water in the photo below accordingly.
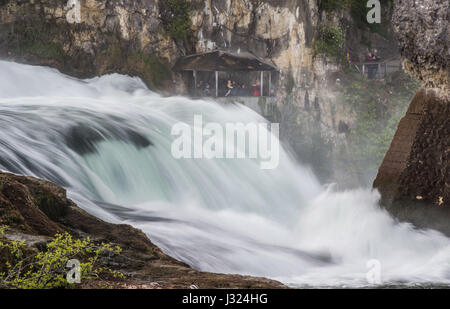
(107, 140)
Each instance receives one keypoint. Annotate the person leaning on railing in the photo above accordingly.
(371, 68)
(376, 58)
(229, 88)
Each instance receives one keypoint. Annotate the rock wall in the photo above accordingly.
(414, 178)
(129, 36)
(280, 30)
(423, 29)
(111, 36)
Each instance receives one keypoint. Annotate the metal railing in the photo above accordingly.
(378, 69)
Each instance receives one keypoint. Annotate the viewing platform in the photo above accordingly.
(222, 74)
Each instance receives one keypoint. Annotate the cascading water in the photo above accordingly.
(107, 140)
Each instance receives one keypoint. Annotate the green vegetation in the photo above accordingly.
(378, 106)
(48, 50)
(358, 10)
(375, 106)
(34, 36)
(366, 41)
(158, 69)
(329, 41)
(175, 16)
(332, 5)
(290, 82)
(262, 102)
(21, 267)
(154, 70)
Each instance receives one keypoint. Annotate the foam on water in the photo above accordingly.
(221, 215)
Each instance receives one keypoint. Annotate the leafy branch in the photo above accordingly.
(47, 268)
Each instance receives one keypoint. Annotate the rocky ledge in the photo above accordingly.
(34, 210)
(414, 178)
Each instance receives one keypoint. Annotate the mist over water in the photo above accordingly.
(107, 140)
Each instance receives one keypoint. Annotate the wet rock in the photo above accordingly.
(414, 178)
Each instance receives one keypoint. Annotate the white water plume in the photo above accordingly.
(107, 140)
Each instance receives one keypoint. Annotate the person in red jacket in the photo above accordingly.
(257, 89)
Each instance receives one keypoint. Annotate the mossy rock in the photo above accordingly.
(51, 206)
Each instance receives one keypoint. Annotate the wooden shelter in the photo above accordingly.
(222, 61)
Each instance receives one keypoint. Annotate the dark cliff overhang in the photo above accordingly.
(223, 61)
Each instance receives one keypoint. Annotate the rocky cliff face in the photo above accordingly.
(106, 36)
(423, 29)
(414, 178)
(131, 36)
(278, 30)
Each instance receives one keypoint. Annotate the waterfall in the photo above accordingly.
(107, 140)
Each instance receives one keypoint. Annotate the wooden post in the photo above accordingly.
(262, 81)
(270, 82)
(217, 83)
(363, 69)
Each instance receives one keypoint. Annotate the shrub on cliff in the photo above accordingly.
(378, 106)
(329, 41)
(175, 17)
(332, 5)
(22, 268)
(358, 11)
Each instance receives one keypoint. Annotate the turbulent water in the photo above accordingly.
(108, 141)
